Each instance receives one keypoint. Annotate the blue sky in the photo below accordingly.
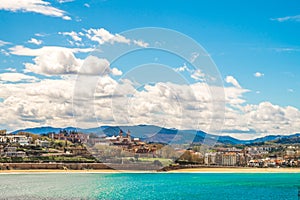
(243, 38)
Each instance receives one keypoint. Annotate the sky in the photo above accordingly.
(253, 48)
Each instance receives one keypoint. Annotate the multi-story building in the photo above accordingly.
(229, 159)
(210, 158)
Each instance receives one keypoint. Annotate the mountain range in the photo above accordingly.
(150, 133)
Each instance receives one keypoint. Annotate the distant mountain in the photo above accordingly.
(49, 129)
(150, 133)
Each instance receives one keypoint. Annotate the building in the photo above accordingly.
(20, 139)
(12, 152)
(42, 143)
(2, 132)
(210, 158)
(229, 159)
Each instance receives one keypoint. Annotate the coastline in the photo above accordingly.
(237, 170)
(187, 170)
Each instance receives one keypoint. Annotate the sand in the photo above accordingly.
(189, 170)
(238, 170)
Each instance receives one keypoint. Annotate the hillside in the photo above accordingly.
(150, 133)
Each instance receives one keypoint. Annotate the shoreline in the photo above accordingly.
(187, 170)
(237, 170)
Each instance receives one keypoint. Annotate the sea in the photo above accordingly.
(211, 186)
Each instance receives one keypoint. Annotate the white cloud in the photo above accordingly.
(27, 104)
(86, 5)
(164, 104)
(40, 34)
(287, 18)
(141, 43)
(64, 1)
(36, 6)
(198, 75)
(183, 68)
(54, 63)
(51, 60)
(93, 65)
(72, 34)
(116, 72)
(101, 36)
(194, 56)
(2, 43)
(11, 69)
(233, 81)
(24, 51)
(16, 77)
(4, 52)
(35, 41)
(67, 18)
(258, 74)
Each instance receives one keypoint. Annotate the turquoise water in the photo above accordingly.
(149, 186)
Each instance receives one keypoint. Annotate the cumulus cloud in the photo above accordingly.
(37, 6)
(258, 74)
(233, 81)
(51, 60)
(35, 41)
(94, 65)
(27, 104)
(54, 63)
(16, 77)
(116, 72)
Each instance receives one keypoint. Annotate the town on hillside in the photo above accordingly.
(124, 148)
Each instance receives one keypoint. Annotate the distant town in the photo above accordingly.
(74, 147)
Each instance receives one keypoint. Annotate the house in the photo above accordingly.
(42, 143)
(19, 139)
(12, 152)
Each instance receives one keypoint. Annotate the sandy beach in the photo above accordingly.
(237, 170)
(189, 170)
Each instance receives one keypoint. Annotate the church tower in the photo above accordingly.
(128, 136)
